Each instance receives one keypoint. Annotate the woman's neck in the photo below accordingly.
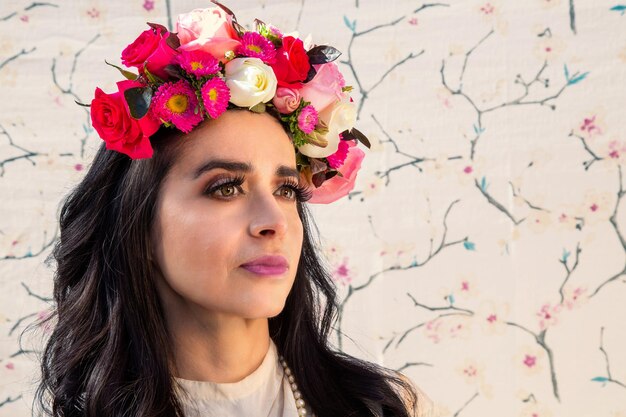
(218, 348)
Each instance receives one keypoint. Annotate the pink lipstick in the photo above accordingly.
(267, 265)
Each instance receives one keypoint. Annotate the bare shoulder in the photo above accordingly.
(424, 406)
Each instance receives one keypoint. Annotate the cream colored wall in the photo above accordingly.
(483, 248)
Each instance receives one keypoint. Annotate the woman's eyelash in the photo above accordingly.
(302, 192)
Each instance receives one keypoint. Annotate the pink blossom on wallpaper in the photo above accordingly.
(589, 126)
(548, 315)
(148, 5)
(574, 297)
(456, 329)
(530, 361)
(432, 330)
(487, 8)
(10, 366)
(492, 316)
(617, 151)
(342, 273)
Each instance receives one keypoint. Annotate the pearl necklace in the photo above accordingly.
(297, 395)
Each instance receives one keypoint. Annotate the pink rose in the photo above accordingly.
(210, 30)
(111, 118)
(325, 88)
(150, 50)
(286, 100)
(337, 187)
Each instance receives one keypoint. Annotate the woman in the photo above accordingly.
(188, 279)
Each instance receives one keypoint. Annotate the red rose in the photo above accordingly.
(150, 50)
(163, 56)
(111, 118)
(292, 63)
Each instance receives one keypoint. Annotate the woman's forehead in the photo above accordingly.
(257, 140)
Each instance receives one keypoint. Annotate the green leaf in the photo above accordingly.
(258, 108)
(469, 245)
(138, 99)
(129, 75)
(153, 79)
(349, 24)
(322, 54)
(577, 78)
(483, 184)
(82, 104)
(600, 379)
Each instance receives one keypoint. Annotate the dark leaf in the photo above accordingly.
(158, 27)
(82, 104)
(331, 174)
(138, 99)
(322, 54)
(259, 24)
(172, 41)
(238, 28)
(318, 179)
(317, 165)
(354, 133)
(311, 74)
(129, 75)
(173, 71)
(226, 9)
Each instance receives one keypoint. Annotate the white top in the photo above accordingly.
(265, 392)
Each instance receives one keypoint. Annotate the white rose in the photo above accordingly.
(250, 81)
(338, 117)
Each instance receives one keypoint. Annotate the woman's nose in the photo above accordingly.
(267, 217)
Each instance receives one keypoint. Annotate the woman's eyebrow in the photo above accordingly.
(237, 166)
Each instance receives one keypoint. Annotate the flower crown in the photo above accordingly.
(211, 64)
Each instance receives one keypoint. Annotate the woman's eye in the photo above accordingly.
(227, 190)
(288, 192)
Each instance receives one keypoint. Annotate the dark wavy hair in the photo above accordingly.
(109, 354)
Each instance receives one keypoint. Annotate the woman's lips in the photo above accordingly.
(265, 269)
(267, 265)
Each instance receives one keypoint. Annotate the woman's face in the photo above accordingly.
(206, 226)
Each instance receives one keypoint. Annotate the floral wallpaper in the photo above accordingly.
(483, 249)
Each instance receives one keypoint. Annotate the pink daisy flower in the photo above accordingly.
(198, 63)
(176, 103)
(339, 157)
(307, 119)
(215, 97)
(257, 46)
